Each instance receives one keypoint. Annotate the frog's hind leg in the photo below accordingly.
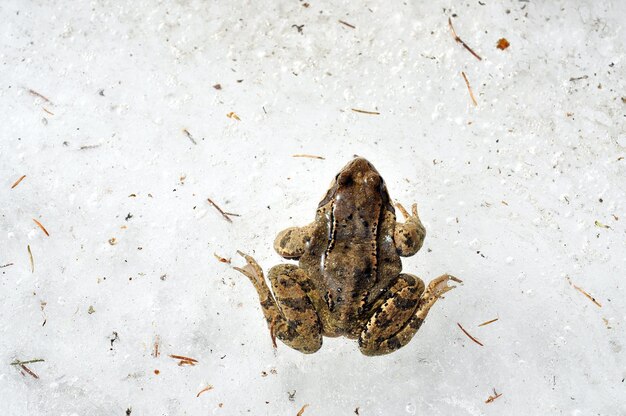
(397, 320)
(391, 314)
(290, 314)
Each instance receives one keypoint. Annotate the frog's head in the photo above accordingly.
(359, 173)
(358, 179)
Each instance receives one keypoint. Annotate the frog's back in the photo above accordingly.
(352, 255)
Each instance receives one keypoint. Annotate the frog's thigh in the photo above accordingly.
(298, 325)
(380, 333)
(291, 243)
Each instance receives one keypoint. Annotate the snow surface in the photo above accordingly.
(523, 197)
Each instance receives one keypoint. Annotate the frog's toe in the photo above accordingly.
(248, 258)
(402, 210)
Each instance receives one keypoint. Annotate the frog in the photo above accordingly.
(348, 280)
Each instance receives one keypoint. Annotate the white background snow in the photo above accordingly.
(523, 197)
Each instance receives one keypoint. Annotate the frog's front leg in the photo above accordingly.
(409, 236)
(292, 242)
(395, 322)
(290, 314)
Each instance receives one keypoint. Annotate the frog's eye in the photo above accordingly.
(372, 178)
(345, 180)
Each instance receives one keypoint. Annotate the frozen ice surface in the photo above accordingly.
(523, 197)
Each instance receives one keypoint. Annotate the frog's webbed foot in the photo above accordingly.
(433, 292)
(396, 321)
(251, 270)
(289, 312)
(291, 242)
(409, 236)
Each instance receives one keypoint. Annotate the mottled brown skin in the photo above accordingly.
(349, 281)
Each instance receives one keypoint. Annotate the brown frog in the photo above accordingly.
(349, 279)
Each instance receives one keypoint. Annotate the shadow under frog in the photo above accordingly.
(348, 281)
